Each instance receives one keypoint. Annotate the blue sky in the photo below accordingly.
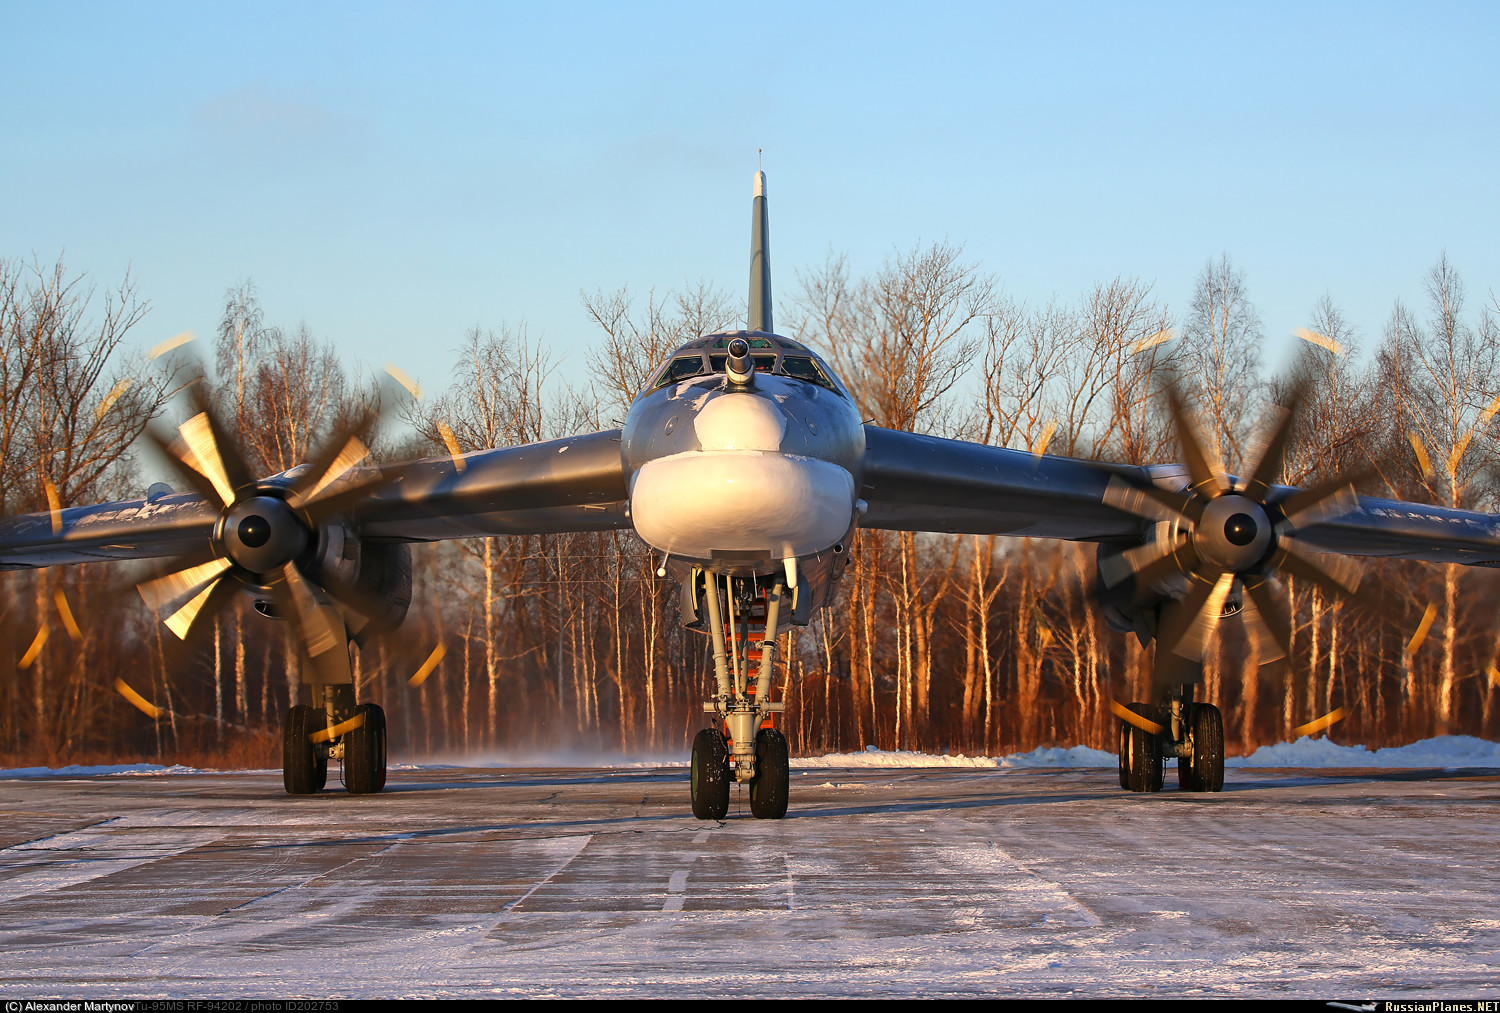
(393, 174)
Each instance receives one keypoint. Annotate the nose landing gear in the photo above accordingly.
(709, 786)
(743, 744)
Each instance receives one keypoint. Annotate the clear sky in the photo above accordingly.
(393, 174)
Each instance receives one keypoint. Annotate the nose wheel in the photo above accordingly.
(741, 745)
(709, 786)
(771, 784)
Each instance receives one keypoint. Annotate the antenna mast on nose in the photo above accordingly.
(760, 259)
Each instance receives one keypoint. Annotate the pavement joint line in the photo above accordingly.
(508, 908)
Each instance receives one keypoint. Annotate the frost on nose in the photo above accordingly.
(695, 503)
(740, 422)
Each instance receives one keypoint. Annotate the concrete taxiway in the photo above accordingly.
(469, 882)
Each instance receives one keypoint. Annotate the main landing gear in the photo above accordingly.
(339, 730)
(742, 745)
(1192, 732)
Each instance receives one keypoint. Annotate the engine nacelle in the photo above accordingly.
(1129, 608)
(377, 571)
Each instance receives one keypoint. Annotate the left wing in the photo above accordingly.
(573, 484)
(925, 483)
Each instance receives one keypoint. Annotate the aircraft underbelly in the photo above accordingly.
(696, 504)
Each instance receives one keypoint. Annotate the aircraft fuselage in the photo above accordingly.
(738, 478)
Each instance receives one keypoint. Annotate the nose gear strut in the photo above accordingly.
(747, 744)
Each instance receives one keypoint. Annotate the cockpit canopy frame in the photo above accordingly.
(771, 353)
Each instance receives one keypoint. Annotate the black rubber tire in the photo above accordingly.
(304, 766)
(1125, 730)
(1187, 777)
(364, 752)
(708, 784)
(1187, 780)
(771, 785)
(1205, 771)
(1145, 753)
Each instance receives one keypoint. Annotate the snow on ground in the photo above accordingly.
(1444, 752)
(109, 769)
(1044, 756)
(883, 883)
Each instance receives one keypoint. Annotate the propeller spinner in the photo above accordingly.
(1219, 533)
(265, 536)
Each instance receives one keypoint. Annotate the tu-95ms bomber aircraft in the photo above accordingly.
(745, 462)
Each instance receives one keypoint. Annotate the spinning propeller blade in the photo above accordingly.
(265, 528)
(1217, 534)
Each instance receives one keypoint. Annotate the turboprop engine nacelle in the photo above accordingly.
(373, 578)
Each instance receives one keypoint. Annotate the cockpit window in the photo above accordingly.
(679, 369)
(804, 367)
(793, 360)
(763, 363)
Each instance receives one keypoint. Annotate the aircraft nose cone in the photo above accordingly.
(740, 422)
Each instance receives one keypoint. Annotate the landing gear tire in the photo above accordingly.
(1204, 770)
(771, 785)
(1125, 731)
(304, 766)
(364, 752)
(709, 783)
(1143, 760)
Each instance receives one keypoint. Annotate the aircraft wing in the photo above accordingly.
(133, 529)
(1401, 530)
(925, 483)
(574, 484)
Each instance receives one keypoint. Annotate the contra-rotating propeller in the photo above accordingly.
(1219, 533)
(267, 537)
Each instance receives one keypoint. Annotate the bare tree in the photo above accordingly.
(498, 399)
(903, 339)
(297, 395)
(1336, 424)
(71, 408)
(1025, 353)
(242, 339)
(1221, 353)
(634, 345)
(1449, 371)
(1133, 332)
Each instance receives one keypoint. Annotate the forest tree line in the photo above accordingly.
(935, 642)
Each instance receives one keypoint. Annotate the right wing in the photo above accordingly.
(573, 484)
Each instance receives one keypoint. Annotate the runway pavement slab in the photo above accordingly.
(470, 882)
